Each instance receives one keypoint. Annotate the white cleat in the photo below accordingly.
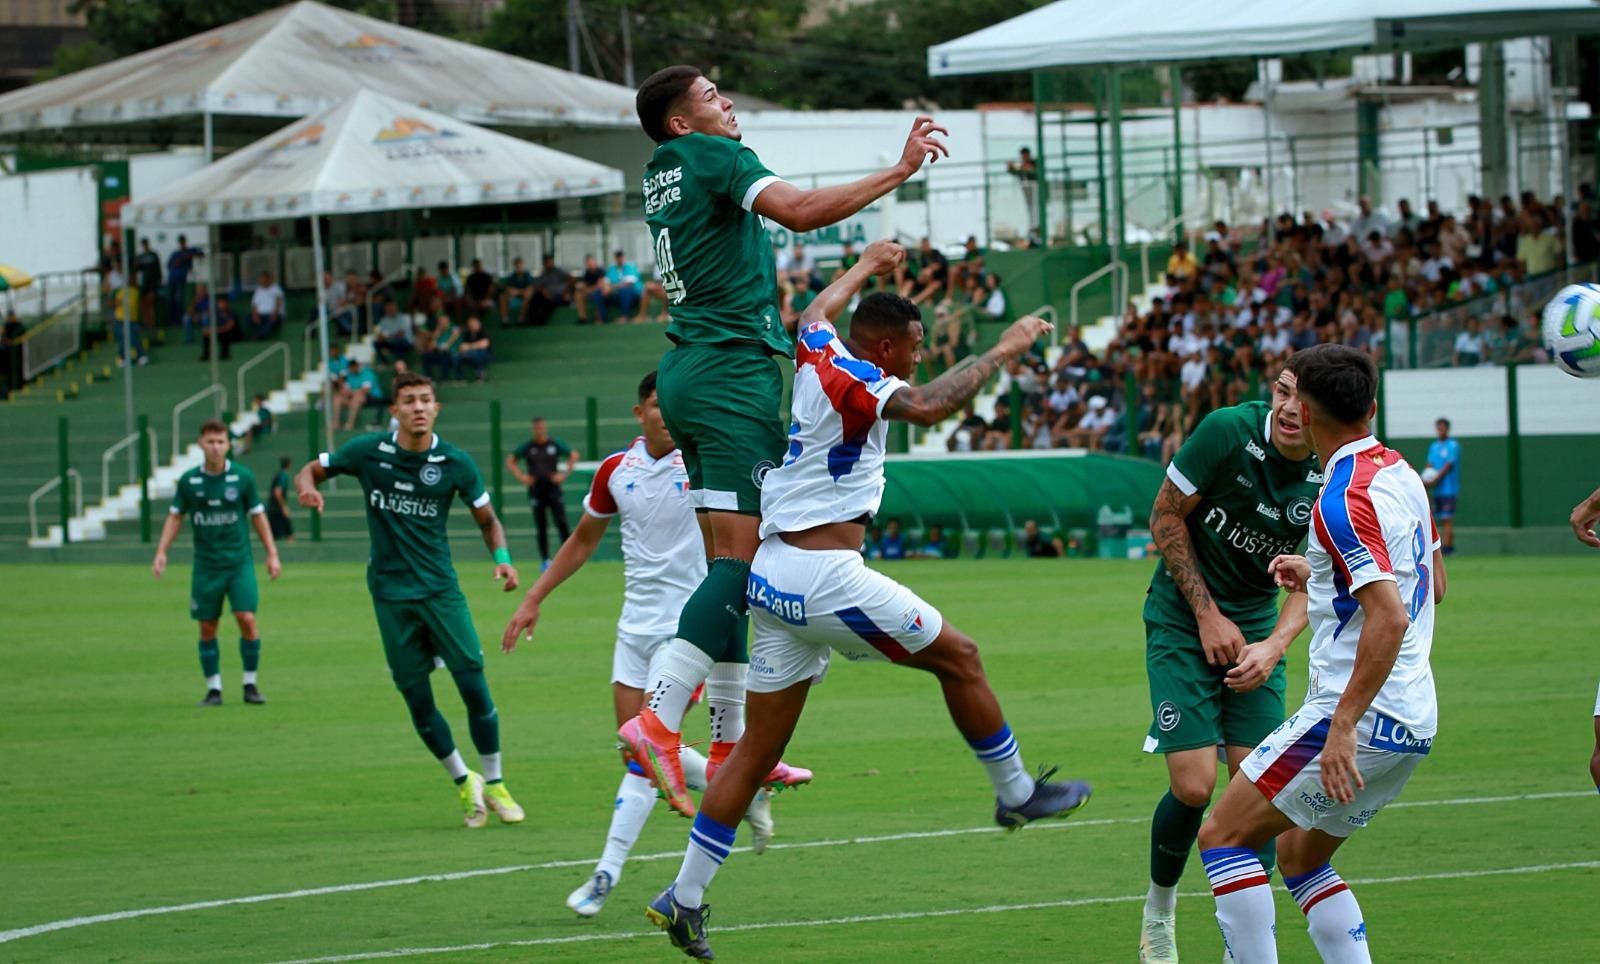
(759, 817)
(1158, 943)
(587, 900)
(471, 794)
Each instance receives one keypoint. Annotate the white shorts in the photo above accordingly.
(630, 663)
(806, 602)
(1597, 703)
(1287, 767)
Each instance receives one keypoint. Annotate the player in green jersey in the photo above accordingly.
(410, 478)
(217, 498)
(1238, 493)
(720, 387)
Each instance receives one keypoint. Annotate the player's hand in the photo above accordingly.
(1221, 639)
(159, 566)
(921, 145)
(558, 478)
(1290, 572)
(1254, 666)
(883, 256)
(1339, 774)
(1022, 334)
(521, 626)
(507, 572)
(311, 499)
(274, 566)
(1584, 516)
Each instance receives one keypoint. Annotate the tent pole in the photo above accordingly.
(120, 304)
(1118, 235)
(1099, 86)
(211, 305)
(209, 139)
(1175, 74)
(1266, 126)
(1041, 181)
(322, 328)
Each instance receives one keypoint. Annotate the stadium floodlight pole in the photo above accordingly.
(322, 324)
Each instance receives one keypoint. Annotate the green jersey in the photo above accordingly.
(408, 505)
(712, 250)
(219, 509)
(1255, 504)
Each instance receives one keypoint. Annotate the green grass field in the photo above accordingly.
(119, 795)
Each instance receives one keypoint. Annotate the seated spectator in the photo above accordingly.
(592, 279)
(847, 260)
(994, 299)
(424, 291)
(196, 315)
(263, 425)
(266, 307)
(935, 546)
(1182, 266)
(228, 331)
(656, 293)
(515, 290)
(361, 388)
(621, 290)
(1469, 349)
(799, 267)
(444, 341)
(892, 545)
(870, 546)
(933, 274)
(349, 312)
(396, 337)
(551, 289)
(1091, 430)
(1539, 244)
(338, 365)
(1036, 546)
(479, 290)
(475, 350)
(969, 434)
(948, 345)
(998, 436)
(449, 289)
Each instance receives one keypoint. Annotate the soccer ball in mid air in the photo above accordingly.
(1572, 330)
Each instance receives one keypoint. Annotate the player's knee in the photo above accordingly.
(247, 624)
(1194, 789)
(208, 628)
(955, 658)
(1215, 834)
(419, 700)
(474, 690)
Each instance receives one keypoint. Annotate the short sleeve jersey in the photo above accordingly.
(1441, 453)
(711, 248)
(542, 458)
(1255, 504)
(408, 495)
(219, 507)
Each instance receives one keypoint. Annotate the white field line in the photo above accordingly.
(907, 915)
(121, 915)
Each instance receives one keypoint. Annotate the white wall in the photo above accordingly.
(1549, 402)
(149, 173)
(51, 220)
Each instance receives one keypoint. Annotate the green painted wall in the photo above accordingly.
(1557, 471)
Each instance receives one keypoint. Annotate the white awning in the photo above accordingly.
(371, 153)
(1093, 32)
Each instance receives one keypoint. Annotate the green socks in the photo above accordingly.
(713, 617)
(483, 720)
(250, 654)
(430, 723)
(210, 658)
(1172, 833)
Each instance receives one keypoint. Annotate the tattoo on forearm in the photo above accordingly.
(1172, 536)
(945, 395)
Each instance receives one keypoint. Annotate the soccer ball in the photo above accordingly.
(1572, 330)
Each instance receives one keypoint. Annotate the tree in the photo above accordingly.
(128, 26)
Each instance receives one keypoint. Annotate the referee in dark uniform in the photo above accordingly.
(537, 464)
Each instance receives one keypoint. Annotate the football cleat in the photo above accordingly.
(253, 695)
(213, 698)
(477, 815)
(655, 748)
(1158, 944)
(685, 926)
(759, 817)
(587, 900)
(782, 776)
(1048, 800)
(498, 799)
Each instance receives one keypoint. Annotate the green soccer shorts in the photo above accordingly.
(208, 587)
(1190, 703)
(721, 405)
(414, 631)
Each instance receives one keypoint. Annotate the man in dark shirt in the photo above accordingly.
(11, 351)
(515, 289)
(551, 290)
(278, 504)
(179, 263)
(932, 275)
(594, 277)
(536, 464)
(1585, 234)
(480, 291)
(228, 331)
(147, 268)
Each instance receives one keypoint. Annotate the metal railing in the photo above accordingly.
(280, 347)
(52, 341)
(192, 400)
(133, 462)
(1117, 303)
(46, 489)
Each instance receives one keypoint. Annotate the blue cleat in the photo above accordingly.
(1048, 800)
(685, 926)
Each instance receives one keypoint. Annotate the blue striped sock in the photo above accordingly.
(1002, 758)
(710, 842)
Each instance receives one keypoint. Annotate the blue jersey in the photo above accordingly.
(1440, 454)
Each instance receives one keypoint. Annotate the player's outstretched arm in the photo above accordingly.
(1584, 516)
(800, 210)
(494, 536)
(880, 257)
(1220, 638)
(1382, 630)
(930, 404)
(169, 532)
(573, 553)
(258, 522)
(311, 475)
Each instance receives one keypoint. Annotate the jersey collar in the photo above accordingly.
(1351, 448)
(227, 466)
(433, 443)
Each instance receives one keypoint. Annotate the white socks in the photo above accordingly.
(681, 672)
(454, 765)
(694, 768)
(1161, 901)
(1002, 760)
(1244, 904)
(1332, 915)
(725, 697)
(491, 766)
(635, 799)
(249, 677)
(214, 681)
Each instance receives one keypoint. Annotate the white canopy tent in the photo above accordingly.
(1093, 33)
(371, 153)
(298, 59)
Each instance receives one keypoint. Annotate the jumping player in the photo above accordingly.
(1373, 572)
(1584, 516)
(810, 591)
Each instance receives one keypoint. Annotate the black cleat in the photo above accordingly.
(1048, 800)
(685, 926)
(253, 695)
(213, 698)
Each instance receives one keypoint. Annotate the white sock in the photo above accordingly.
(1161, 901)
(725, 697)
(214, 681)
(454, 765)
(710, 843)
(682, 670)
(1002, 760)
(491, 766)
(1332, 915)
(635, 798)
(1244, 904)
(694, 768)
(249, 677)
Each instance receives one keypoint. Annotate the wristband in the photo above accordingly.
(502, 556)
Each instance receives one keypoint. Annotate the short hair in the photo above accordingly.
(538, 418)
(647, 386)
(1341, 380)
(659, 94)
(284, 462)
(882, 315)
(406, 380)
(1441, 420)
(213, 426)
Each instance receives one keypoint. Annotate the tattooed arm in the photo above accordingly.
(1219, 637)
(936, 401)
